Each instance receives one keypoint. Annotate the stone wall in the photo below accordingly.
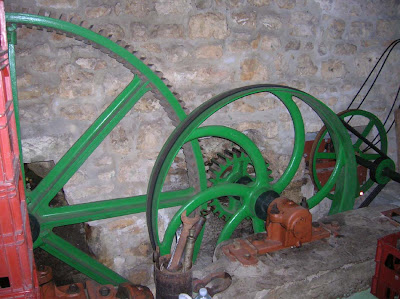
(204, 47)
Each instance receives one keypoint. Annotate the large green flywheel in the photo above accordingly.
(255, 191)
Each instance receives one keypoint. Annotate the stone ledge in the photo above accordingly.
(330, 268)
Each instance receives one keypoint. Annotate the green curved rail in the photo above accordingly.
(189, 130)
(39, 199)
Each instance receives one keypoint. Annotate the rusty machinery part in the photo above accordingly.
(287, 224)
(231, 166)
(220, 282)
(90, 289)
(323, 156)
(146, 79)
(169, 284)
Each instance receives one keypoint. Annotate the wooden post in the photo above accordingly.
(397, 120)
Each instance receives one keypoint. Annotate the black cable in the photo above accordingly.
(391, 46)
(387, 118)
(388, 50)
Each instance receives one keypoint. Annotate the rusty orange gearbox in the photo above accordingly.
(287, 225)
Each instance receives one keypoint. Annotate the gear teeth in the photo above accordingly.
(63, 17)
(222, 157)
(237, 152)
(215, 168)
(228, 153)
(75, 20)
(44, 13)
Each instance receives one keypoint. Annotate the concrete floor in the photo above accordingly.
(330, 268)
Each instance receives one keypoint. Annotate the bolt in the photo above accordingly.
(104, 291)
(73, 289)
(247, 256)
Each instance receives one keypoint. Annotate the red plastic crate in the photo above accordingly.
(18, 277)
(386, 281)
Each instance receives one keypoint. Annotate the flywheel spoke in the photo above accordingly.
(231, 225)
(331, 156)
(364, 133)
(66, 215)
(76, 258)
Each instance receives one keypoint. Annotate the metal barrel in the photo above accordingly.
(170, 284)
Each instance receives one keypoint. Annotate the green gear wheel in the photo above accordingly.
(233, 166)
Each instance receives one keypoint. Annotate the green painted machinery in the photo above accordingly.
(233, 182)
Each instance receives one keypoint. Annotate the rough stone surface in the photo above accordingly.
(203, 48)
(293, 272)
(208, 25)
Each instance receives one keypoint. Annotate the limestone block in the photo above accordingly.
(239, 46)
(73, 74)
(91, 63)
(292, 45)
(87, 193)
(43, 64)
(386, 28)
(139, 31)
(365, 62)
(29, 93)
(114, 85)
(152, 47)
(82, 111)
(345, 49)
(286, 4)
(147, 104)
(361, 30)
(120, 142)
(260, 2)
(305, 66)
(176, 53)
(136, 8)
(58, 3)
(245, 19)
(31, 112)
(309, 46)
(272, 22)
(332, 69)
(71, 91)
(270, 43)
(168, 31)
(242, 106)
(203, 4)
(149, 140)
(209, 25)
(252, 69)
(209, 51)
(45, 148)
(168, 7)
(322, 49)
(97, 12)
(302, 24)
(336, 28)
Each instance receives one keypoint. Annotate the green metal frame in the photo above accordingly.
(190, 130)
(39, 199)
(373, 121)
